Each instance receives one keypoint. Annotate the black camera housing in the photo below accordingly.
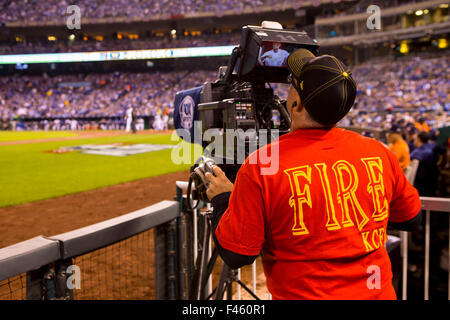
(240, 98)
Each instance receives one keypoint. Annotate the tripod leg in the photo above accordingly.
(247, 289)
(223, 282)
(212, 294)
(230, 290)
(227, 277)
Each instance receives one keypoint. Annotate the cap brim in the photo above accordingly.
(298, 59)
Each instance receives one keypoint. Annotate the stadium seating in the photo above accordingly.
(414, 85)
(44, 11)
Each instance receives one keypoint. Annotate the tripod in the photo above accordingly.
(204, 269)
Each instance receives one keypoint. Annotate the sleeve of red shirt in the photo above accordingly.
(241, 228)
(405, 203)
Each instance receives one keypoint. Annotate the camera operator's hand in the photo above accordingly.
(217, 184)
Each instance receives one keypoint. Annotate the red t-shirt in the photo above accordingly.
(321, 220)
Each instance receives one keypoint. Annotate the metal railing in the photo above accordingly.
(117, 245)
(441, 205)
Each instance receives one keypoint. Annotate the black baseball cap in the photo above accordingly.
(325, 85)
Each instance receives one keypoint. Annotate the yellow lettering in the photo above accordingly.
(376, 244)
(332, 223)
(299, 196)
(347, 194)
(382, 236)
(374, 167)
(365, 235)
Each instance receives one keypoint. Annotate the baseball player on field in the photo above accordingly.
(320, 221)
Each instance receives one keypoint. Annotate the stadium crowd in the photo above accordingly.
(90, 96)
(404, 90)
(407, 88)
(55, 10)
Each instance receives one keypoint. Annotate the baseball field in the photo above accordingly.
(55, 182)
(42, 165)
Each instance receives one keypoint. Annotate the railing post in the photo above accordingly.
(62, 291)
(427, 256)
(185, 264)
(160, 262)
(34, 285)
(172, 260)
(166, 261)
(238, 296)
(254, 276)
(404, 235)
(41, 283)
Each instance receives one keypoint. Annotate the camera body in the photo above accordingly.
(241, 98)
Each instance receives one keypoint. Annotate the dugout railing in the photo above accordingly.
(145, 254)
(115, 259)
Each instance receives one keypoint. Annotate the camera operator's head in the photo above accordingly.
(322, 90)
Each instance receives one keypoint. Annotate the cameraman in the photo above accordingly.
(321, 220)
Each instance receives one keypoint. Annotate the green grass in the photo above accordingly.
(6, 136)
(28, 172)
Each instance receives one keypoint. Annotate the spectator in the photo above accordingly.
(421, 125)
(398, 146)
(411, 134)
(427, 172)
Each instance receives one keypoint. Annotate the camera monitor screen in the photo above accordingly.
(274, 54)
(265, 52)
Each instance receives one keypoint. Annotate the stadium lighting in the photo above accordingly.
(442, 43)
(51, 38)
(419, 12)
(404, 47)
(72, 37)
(426, 11)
